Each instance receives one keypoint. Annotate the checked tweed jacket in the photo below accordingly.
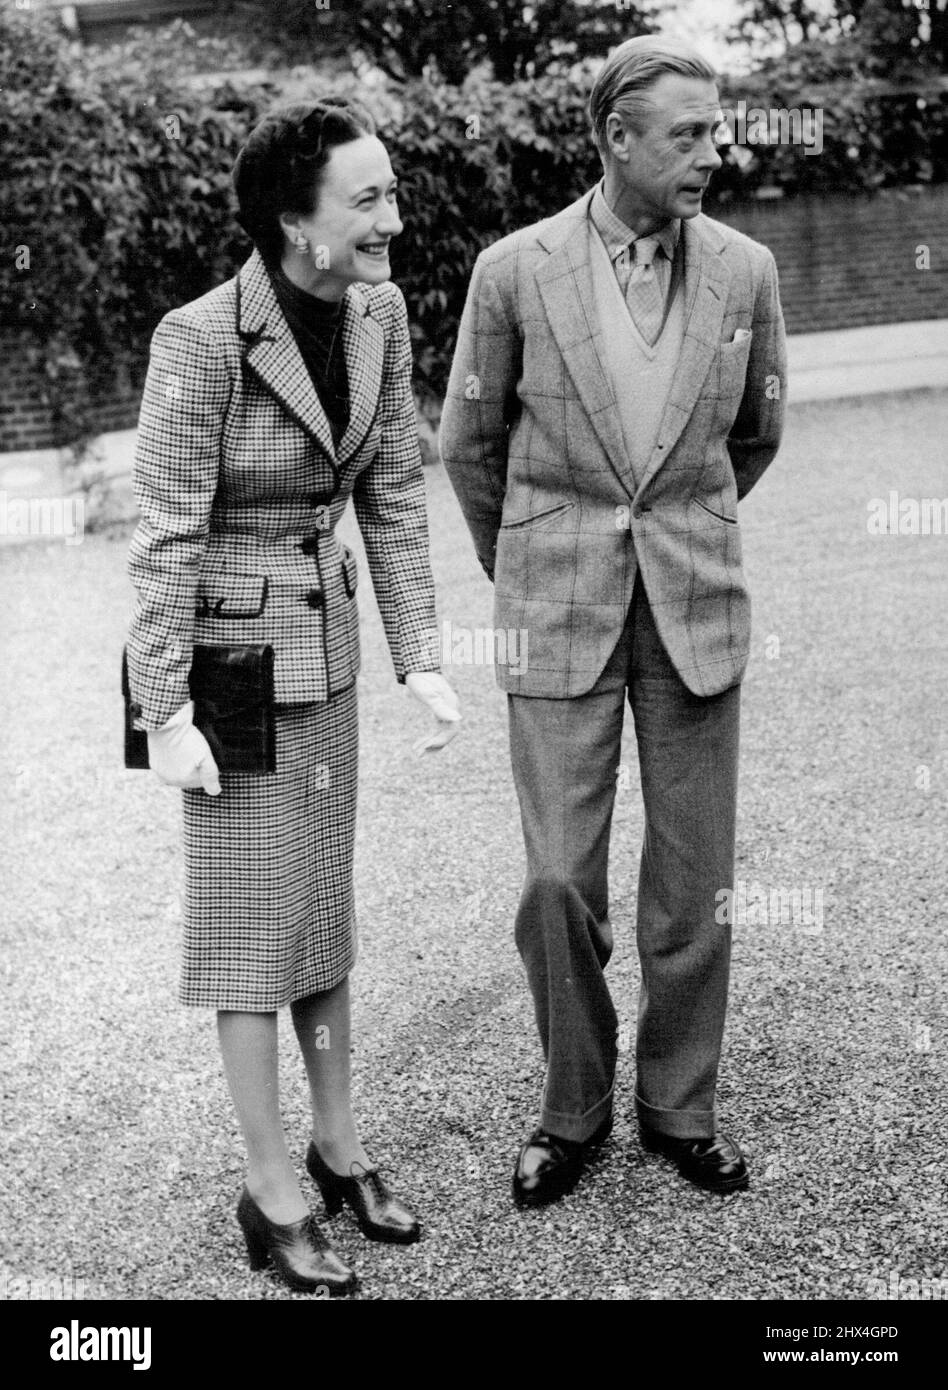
(532, 441)
(240, 490)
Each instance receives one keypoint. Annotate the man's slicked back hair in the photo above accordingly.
(631, 70)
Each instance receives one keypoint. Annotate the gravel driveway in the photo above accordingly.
(122, 1159)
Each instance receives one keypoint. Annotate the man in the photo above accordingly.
(617, 388)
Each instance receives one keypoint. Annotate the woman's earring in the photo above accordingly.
(302, 245)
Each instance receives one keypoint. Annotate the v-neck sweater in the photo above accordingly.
(641, 375)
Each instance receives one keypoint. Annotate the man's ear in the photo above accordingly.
(616, 137)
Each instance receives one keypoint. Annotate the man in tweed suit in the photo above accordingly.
(617, 388)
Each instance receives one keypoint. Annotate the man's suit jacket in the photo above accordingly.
(240, 489)
(532, 441)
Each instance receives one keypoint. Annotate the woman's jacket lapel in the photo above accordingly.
(270, 353)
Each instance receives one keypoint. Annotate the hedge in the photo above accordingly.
(117, 180)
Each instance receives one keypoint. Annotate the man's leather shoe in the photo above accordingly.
(548, 1167)
(715, 1164)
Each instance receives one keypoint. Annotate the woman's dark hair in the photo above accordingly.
(280, 167)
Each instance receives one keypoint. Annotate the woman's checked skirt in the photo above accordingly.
(269, 911)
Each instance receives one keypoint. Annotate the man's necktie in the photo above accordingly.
(644, 293)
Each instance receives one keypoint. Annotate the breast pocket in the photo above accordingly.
(232, 596)
(732, 365)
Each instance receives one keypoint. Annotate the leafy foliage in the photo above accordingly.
(890, 37)
(117, 203)
(117, 174)
(475, 163)
(874, 70)
(415, 38)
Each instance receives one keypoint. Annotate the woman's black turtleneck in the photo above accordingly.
(316, 324)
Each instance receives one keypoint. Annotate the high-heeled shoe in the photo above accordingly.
(380, 1215)
(299, 1252)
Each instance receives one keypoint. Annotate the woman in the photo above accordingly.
(268, 403)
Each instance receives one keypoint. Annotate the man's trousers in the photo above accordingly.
(565, 756)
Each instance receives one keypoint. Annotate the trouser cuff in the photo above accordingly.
(677, 1124)
(578, 1128)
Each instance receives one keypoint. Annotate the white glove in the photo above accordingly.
(180, 754)
(432, 690)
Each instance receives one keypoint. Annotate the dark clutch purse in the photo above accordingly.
(232, 690)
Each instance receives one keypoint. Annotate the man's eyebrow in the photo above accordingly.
(696, 122)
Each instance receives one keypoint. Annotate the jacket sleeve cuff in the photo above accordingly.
(179, 720)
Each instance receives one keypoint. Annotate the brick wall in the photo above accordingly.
(25, 414)
(845, 262)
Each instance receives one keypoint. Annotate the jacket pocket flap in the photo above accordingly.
(537, 518)
(718, 516)
(231, 596)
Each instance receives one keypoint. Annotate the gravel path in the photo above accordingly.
(122, 1160)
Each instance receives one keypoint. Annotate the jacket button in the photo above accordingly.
(310, 546)
(314, 598)
(135, 711)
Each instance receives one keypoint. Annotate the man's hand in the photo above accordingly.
(432, 690)
(180, 754)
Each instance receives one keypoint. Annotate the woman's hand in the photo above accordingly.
(431, 688)
(180, 754)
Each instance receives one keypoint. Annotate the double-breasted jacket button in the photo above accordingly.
(314, 597)
(310, 546)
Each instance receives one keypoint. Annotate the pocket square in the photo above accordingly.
(740, 334)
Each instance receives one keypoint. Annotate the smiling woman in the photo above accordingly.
(318, 196)
(315, 180)
(269, 403)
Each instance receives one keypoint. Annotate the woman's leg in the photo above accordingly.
(322, 1023)
(249, 1049)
